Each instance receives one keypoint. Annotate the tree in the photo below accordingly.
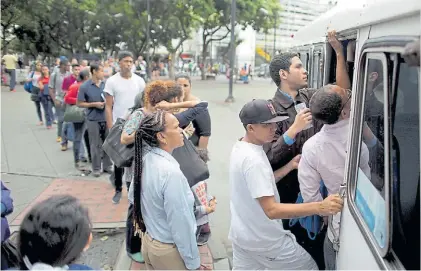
(11, 14)
(215, 17)
(174, 27)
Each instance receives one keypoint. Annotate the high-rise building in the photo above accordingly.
(295, 14)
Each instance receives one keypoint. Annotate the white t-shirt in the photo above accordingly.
(251, 177)
(124, 91)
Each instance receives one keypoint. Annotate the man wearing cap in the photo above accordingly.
(257, 233)
(120, 92)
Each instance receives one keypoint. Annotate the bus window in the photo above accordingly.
(406, 167)
(304, 59)
(370, 195)
(315, 77)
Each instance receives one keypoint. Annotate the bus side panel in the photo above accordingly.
(354, 252)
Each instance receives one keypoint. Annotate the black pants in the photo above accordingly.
(87, 145)
(313, 247)
(38, 107)
(133, 243)
(118, 178)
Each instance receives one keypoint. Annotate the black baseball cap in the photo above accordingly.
(260, 111)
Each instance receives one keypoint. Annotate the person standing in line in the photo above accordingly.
(120, 92)
(292, 97)
(57, 95)
(259, 239)
(91, 96)
(72, 78)
(35, 91)
(44, 94)
(79, 127)
(10, 62)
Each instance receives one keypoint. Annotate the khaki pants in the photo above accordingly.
(160, 256)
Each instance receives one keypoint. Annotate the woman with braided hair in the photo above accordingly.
(158, 94)
(163, 201)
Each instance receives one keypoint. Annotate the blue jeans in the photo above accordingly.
(61, 127)
(47, 105)
(12, 74)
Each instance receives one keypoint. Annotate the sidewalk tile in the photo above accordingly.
(95, 195)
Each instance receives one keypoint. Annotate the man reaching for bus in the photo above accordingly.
(292, 97)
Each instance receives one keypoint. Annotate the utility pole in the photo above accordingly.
(230, 98)
(148, 39)
(274, 36)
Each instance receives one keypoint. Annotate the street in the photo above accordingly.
(31, 159)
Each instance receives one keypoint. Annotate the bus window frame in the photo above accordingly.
(320, 50)
(367, 54)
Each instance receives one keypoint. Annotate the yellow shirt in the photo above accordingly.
(10, 61)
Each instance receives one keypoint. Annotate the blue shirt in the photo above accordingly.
(167, 205)
(89, 92)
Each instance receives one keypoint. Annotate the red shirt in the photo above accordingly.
(67, 82)
(71, 95)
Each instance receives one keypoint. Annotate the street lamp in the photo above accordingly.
(230, 98)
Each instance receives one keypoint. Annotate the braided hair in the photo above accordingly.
(146, 134)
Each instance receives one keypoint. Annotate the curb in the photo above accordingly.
(123, 261)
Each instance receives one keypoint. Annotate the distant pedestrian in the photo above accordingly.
(10, 62)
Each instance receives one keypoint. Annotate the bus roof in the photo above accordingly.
(352, 14)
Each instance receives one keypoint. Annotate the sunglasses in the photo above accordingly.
(349, 94)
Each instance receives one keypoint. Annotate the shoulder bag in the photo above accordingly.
(75, 114)
(122, 155)
(192, 166)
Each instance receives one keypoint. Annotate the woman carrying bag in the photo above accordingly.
(76, 116)
(44, 96)
(32, 84)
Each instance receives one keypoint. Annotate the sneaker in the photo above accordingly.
(96, 173)
(108, 170)
(137, 257)
(40, 123)
(13, 90)
(203, 238)
(64, 147)
(84, 160)
(49, 127)
(58, 139)
(117, 197)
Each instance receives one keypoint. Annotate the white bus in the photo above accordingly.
(380, 223)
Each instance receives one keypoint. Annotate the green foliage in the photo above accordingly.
(50, 27)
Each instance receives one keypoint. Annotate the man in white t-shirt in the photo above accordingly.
(259, 239)
(120, 92)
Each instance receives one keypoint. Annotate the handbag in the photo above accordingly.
(122, 155)
(192, 166)
(312, 224)
(35, 94)
(74, 113)
(28, 85)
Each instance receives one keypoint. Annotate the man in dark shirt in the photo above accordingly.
(290, 77)
(91, 97)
